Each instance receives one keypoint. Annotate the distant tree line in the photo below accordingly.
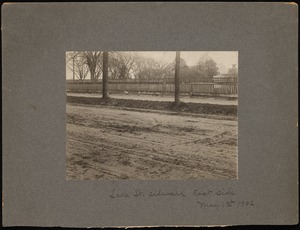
(127, 65)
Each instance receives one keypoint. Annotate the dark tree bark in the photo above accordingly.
(177, 78)
(105, 76)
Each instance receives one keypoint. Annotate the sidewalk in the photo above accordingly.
(187, 99)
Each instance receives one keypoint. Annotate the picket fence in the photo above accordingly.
(219, 86)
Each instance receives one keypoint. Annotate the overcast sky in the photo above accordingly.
(224, 59)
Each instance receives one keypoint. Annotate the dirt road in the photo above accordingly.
(208, 100)
(104, 143)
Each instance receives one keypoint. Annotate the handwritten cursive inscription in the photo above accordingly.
(162, 193)
(204, 198)
(138, 193)
(208, 205)
(116, 194)
(210, 192)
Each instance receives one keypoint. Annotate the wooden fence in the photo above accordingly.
(218, 87)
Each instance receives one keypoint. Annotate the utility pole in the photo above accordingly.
(73, 68)
(105, 76)
(177, 78)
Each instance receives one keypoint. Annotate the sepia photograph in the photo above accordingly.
(151, 115)
(114, 112)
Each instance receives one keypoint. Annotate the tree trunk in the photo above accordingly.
(177, 78)
(105, 76)
(92, 75)
(73, 69)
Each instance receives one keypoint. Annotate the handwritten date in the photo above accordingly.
(226, 204)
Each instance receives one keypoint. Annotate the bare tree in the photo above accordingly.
(128, 65)
(113, 66)
(148, 69)
(77, 63)
(207, 67)
(83, 62)
(123, 65)
(93, 59)
(81, 69)
(177, 78)
(233, 70)
(105, 76)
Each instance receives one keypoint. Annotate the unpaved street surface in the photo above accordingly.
(109, 143)
(208, 100)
